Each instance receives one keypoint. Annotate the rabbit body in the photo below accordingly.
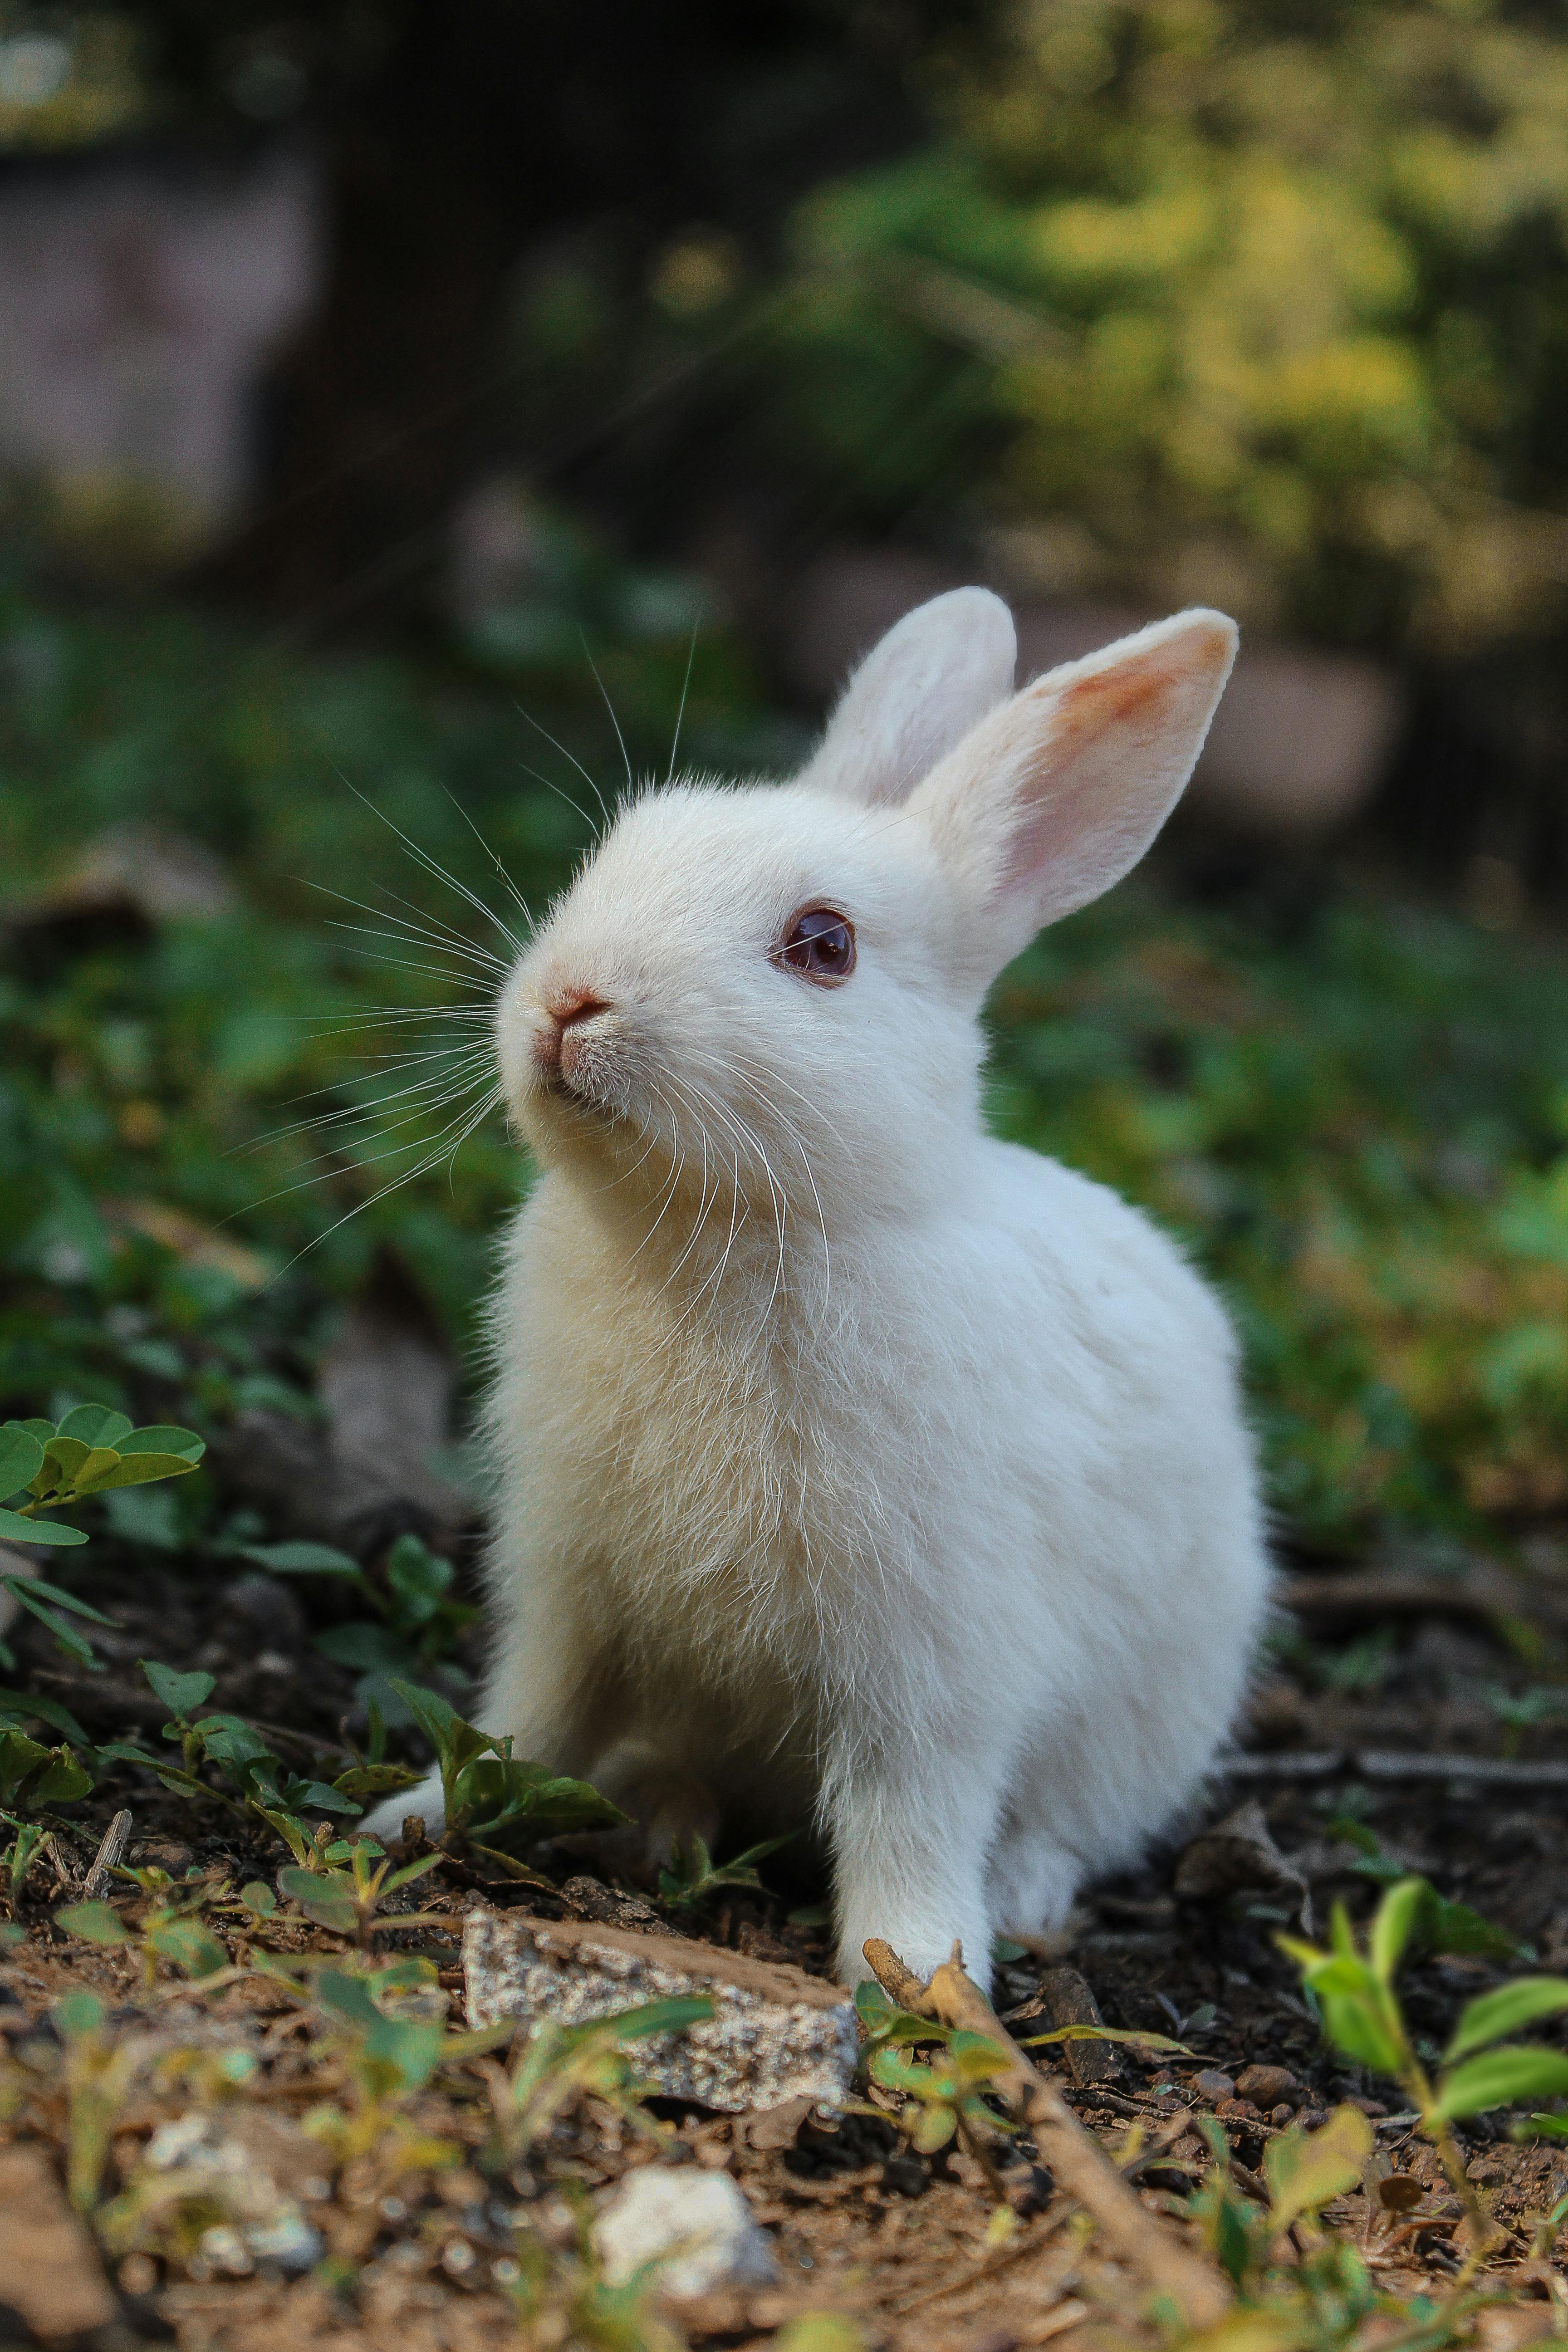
(869, 1468)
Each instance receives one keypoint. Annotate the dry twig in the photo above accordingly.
(110, 1855)
(1073, 2157)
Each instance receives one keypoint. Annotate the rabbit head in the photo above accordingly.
(768, 994)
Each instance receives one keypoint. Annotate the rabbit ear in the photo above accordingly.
(1054, 797)
(916, 695)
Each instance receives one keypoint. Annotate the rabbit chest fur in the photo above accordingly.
(916, 1502)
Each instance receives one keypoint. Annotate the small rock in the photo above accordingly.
(48, 2262)
(1237, 2111)
(589, 1898)
(1212, 2085)
(254, 2167)
(1238, 1855)
(696, 2225)
(1266, 2086)
(775, 2033)
(777, 2127)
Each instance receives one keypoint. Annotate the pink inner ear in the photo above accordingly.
(1114, 750)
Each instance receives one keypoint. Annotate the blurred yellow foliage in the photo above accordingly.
(1293, 282)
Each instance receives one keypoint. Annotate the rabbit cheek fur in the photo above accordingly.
(851, 1459)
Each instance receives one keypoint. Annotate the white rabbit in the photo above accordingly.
(850, 1460)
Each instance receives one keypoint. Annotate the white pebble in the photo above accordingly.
(697, 2225)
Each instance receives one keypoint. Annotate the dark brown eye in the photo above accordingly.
(820, 943)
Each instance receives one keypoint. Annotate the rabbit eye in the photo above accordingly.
(820, 943)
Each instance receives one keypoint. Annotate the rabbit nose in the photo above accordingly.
(567, 1008)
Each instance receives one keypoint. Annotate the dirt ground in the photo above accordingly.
(914, 2249)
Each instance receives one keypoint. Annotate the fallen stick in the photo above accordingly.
(1073, 2156)
(1393, 1764)
(110, 1855)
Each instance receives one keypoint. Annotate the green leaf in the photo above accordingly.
(63, 1457)
(671, 2016)
(302, 1560)
(439, 1720)
(166, 1438)
(1502, 2012)
(19, 1756)
(1358, 2027)
(21, 1457)
(78, 2015)
(61, 1782)
(1391, 1929)
(181, 1693)
(369, 1649)
(1499, 2077)
(1109, 2033)
(14, 1528)
(1305, 2169)
(95, 1425)
(25, 1707)
(193, 1947)
(102, 1472)
(934, 2127)
(325, 1898)
(259, 1900)
(1445, 1927)
(95, 1923)
(36, 1584)
(419, 1579)
(24, 1590)
(364, 1781)
(348, 1998)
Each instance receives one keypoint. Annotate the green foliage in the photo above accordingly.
(93, 1450)
(170, 1929)
(1218, 304)
(416, 1621)
(346, 1900)
(1437, 1924)
(253, 1779)
(693, 1875)
(945, 2090)
(494, 1801)
(554, 2066)
(1357, 1996)
(1304, 2172)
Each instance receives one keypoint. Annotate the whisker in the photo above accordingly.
(518, 898)
(625, 755)
(680, 712)
(577, 763)
(433, 867)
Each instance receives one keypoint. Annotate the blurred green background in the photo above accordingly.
(385, 391)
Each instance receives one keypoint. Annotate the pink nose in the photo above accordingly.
(567, 1008)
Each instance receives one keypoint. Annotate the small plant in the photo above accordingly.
(345, 1901)
(693, 1875)
(93, 1451)
(386, 2061)
(1321, 2295)
(98, 2074)
(1521, 1711)
(1439, 1925)
(491, 1796)
(416, 1620)
(1361, 2015)
(258, 1782)
(557, 2065)
(169, 1927)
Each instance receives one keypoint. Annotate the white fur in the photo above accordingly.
(851, 1459)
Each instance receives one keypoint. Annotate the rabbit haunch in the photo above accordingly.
(853, 1462)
